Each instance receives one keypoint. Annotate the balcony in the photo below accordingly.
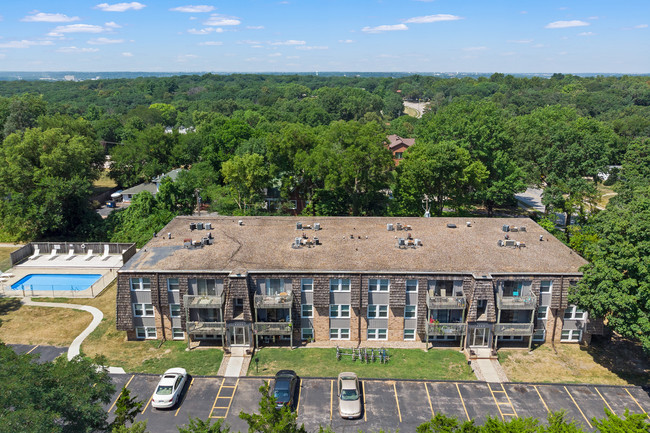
(445, 302)
(455, 329)
(204, 301)
(280, 300)
(514, 329)
(525, 300)
(205, 327)
(272, 328)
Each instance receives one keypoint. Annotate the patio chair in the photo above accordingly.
(105, 255)
(37, 254)
(89, 255)
(53, 254)
(70, 255)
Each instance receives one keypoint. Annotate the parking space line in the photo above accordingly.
(231, 398)
(331, 397)
(298, 405)
(433, 414)
(217, 396)
(601, 396)
(188, 391)
(574, 402)
(540, 397)
(495, 400)
(462, 401)
(399, 412)
(32, 349)
(637, 403)
(363, 391)
(509, 402)
(120, 394)
(150, 398)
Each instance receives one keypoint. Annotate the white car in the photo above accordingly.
(169, 388)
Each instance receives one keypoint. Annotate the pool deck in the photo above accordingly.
(63, 264)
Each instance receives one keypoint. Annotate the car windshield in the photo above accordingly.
(281, 395)
(349, 394)
(164, 390)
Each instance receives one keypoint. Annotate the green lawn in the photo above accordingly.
(403, 364)
(5, 257)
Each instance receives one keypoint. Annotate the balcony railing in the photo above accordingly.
(205, 327)
(525, 300)
(204, 301)
(514, 329)
(272, 328)
(456, 329)
(445, 302)
(280, 300)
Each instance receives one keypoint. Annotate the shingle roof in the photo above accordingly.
(395, 140)
(265, 244)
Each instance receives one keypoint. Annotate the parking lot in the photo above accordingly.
(388, 404)
(45, 353)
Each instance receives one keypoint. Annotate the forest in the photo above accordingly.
(323, 139)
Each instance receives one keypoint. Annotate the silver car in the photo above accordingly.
(169, 388)
(349, 395)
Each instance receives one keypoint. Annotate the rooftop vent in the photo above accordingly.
(208, 226)
(389, 227)
(511, 243)
(514, 229)
(500, 243)
(240, 222)
(451, 226)
(316, 241)
(298, 225)
(399, 226)
(316, 226)
(401, 243)
(522, 228)
(192, 226)
(505, 228)
(297, 242)
(199, 226)
(469, 224)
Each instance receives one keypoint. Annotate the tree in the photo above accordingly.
(632, 423)
(138, 427)
(444, 424)
(197, 425)
(61, 396)
(22, 113)
(126, 409)
(246, 175)
(270, 419)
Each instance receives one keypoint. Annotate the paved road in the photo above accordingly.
(45, 353)
(388, 404)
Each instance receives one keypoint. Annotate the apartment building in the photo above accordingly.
(248, 281)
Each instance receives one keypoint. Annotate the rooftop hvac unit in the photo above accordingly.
(208, 226)
(199, 226)
(316, 226)
(500, 243)
(192, 226)
(297, 242)
(418, 242)
(505, 228)
(205, 241)
(298, 225)
(514, 229)
(389, 227)
(401, 242)
(522, 228)
(316, 241)
(399, 226)
(511, 243)
(451, 226)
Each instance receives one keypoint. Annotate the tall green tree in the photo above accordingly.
(126, 409)
(246, 176)
(269, 419)
(197, 425)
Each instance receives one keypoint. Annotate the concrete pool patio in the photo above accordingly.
(66, 258)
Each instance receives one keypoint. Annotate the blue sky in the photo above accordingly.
(569, 36)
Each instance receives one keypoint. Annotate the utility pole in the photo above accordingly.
(198, 200)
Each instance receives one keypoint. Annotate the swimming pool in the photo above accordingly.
(74, 282)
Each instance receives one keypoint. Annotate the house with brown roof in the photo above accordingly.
(249, 281)
(398, 145)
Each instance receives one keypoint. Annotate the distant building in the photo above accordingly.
(152, 187)
(398, 145)
(180, 129)
(251, 281)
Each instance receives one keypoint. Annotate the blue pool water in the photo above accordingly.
(56, 282)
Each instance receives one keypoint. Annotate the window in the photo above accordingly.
(411, 286)
(375, 285)
(510, 338)
(307, 311)
(377, 311)
(307, 333)
(539, 335)
(410, 312)
(307, 285)
(542, 312)
(398, 155)
(148, 332)
(377, 333)
(340, 284)
(339, 334)
(175, 310)
(143, 310)
(178, 334)
(206, 287)
(140, 284)
(545, 286)
(574, 313)
(513, 288)
(339, 310)
(274, 286)
(173, 284)
(571, 335)
(409, 334)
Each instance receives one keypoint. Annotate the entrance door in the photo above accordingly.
(239, 336)
(478, 337)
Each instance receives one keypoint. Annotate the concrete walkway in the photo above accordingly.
(236, 363)
(75, 347)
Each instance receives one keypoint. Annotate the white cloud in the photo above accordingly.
(289, 42)
(191, 9)
(384, 28)
(292, 57)
(205, 31)
(105, 41)
(249, 42)
(112, 25)
(74, 50)
(257, 46)
(127, 54)
(586, 34)
(312, 48)
(538, 46)
(77, 28)
(566, 24)
(211, 43)
(521, 41)
(275, 55)
(40, 17)
(24, 44)
(222, 20)
(641, 26)
(475, 49)
(433, 19)
(120, 7)
(346, 41)
(592, 18)
(255, 27)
